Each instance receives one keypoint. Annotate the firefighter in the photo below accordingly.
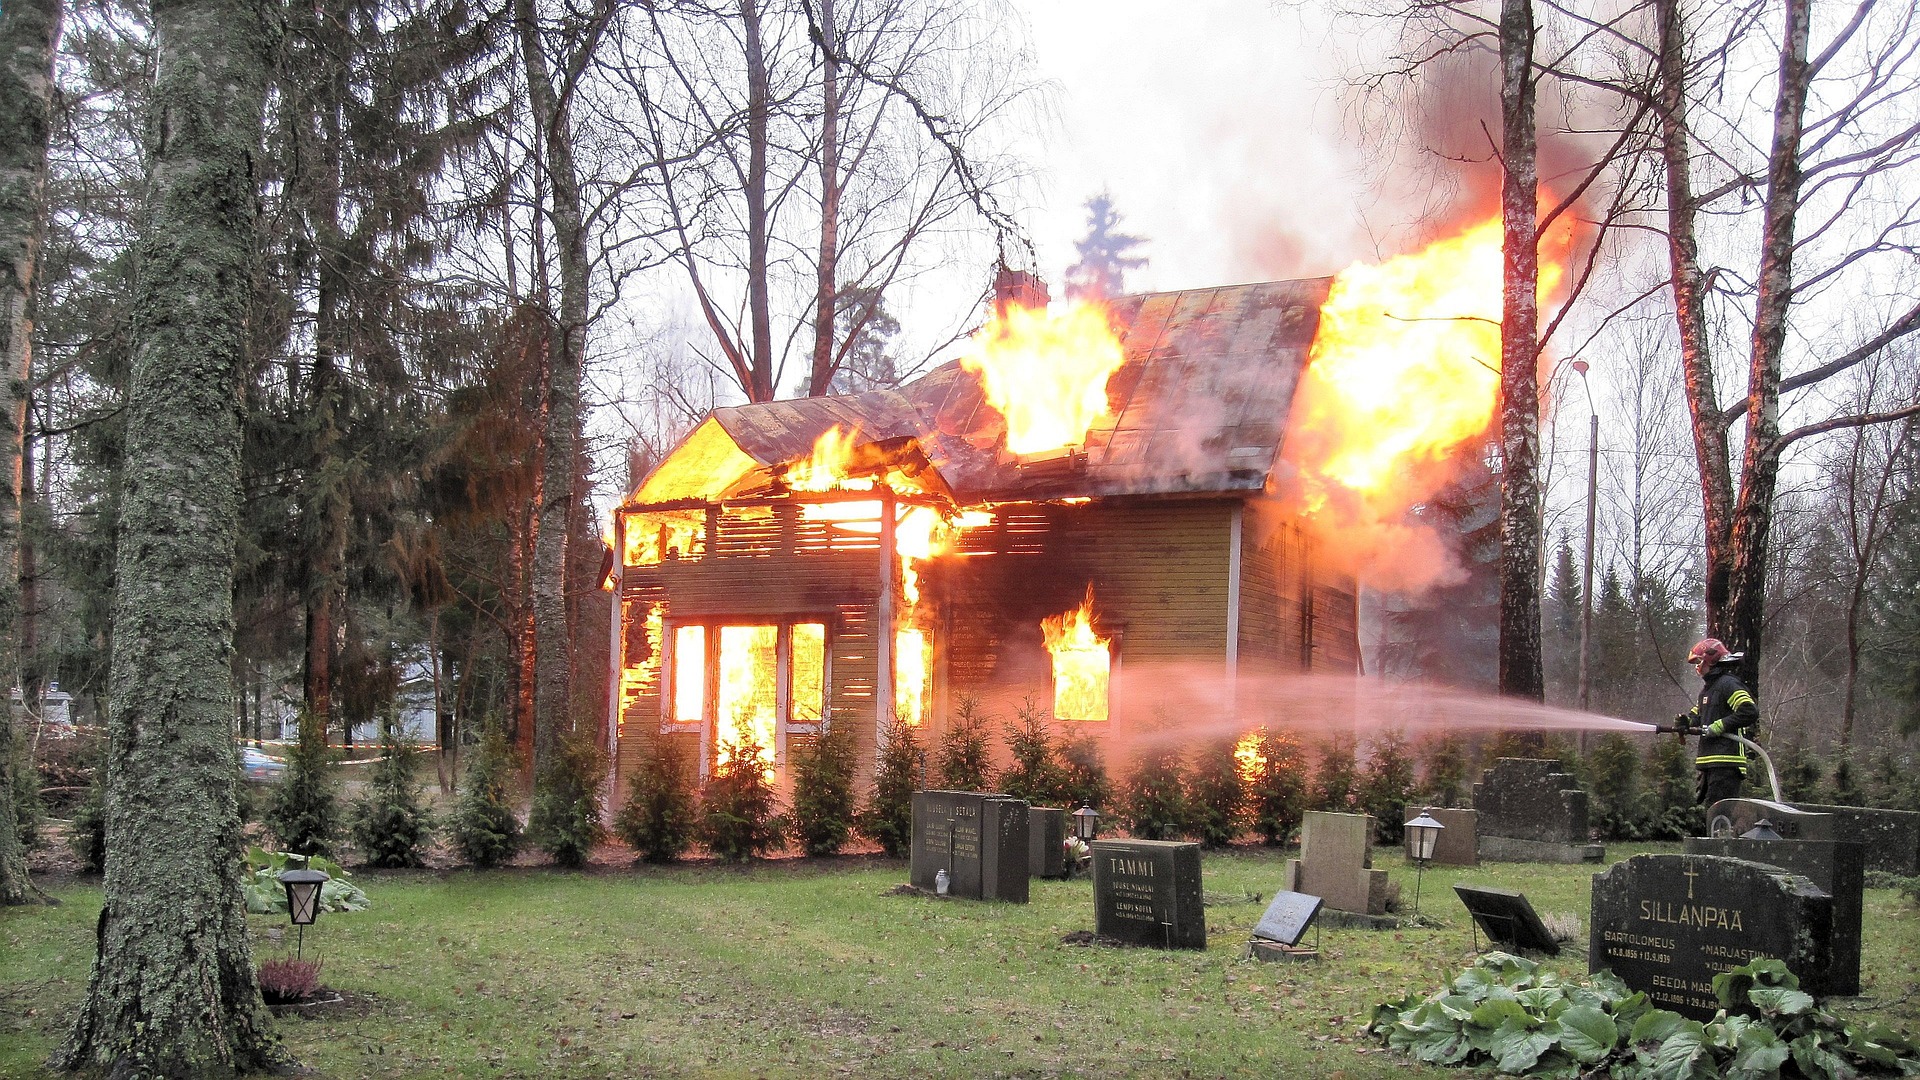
(1726, 706)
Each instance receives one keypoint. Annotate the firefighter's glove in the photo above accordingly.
(1718, 727)
(1683, 724)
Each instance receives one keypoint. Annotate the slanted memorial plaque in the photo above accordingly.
(1148, 892)
(1507, 918)
(1667, 924)
(1288, 917)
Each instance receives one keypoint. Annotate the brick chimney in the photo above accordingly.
(1019, 288)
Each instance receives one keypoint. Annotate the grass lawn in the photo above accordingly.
(808, 968)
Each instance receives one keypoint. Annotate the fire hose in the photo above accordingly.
(1773, 778)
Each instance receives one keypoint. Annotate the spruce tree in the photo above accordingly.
(1386, 784)
(657, 819)
(738, 808)
(1083, 771)
(888, 817)
(823, 812)
(1277, 794)
(1216, 794)
(1334, 782)
(1448, 760)
(566, 818)
(964, 764)
(390, 826)
(1105, 254)
(1035, 773)
(1618, 802)
(304, 810)
(1154, 803)
(485, 827)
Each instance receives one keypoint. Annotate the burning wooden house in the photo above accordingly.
(992, 530)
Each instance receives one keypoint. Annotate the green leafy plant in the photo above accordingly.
(738, 821)
(1277, 791)
(823, 791)
(1505, 1012)
(888, 817)
(260, 883)
(657, 818)
(962, 759)
(305, 809)
(389, 824)
(485, 827)
(566, 819)
(1216, 796)
(1035, 773)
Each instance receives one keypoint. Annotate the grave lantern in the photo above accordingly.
(303, 899)
(1085, 821)
(1762, 830)
(1425, 833)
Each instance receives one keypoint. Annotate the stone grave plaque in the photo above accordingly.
(1667, 924)
(1288, 917)
(965, 851)
(1507, 918)
(932, 837)
(1837, 867)
(1046, 835)
(1004, 849)
(979, 840)
(1731, 817)
(1148, 892)
(1891, 837)
(1458, 843)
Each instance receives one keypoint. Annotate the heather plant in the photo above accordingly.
(485, 827)
(1448, 762)
(963, 758)
(287, 980)
(1083, 772)
(1035, 773)
(1277, 792)
(1386, 784)
(389, 824)
(823, 813)
(1216, 796)
(888, 817)
(657, 818)
(738, 813)
(566, 818)
(304, 811)
(1335, 781)
(1154, 803)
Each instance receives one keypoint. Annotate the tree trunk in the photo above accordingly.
(172, 990)
(28, 31)
(553, 654)
(759, 302)
(827, 288)
(1760, 460)
(1520, 500)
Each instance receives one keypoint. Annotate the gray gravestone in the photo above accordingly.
(1731, 817)
(1531, 811)
(1667, 924)
(1336, 856)
(1507, 918)
(1891, 837)
(1836, 866)
(1046, 837)
(932, 837)
(1147, 892)
(1287, 918)
(1459, 841)
(979, 840)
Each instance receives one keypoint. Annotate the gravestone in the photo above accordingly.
(1667, 924)
(1046, 835)
(1276, 937)
(979, 840)
(1836, 866)
(1458, 843)
(1335, 863)
(1731, 817)
(1147, 892)
(1507, 918)
(1891, 837)
(1531, 811)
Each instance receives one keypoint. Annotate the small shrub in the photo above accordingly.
(485, 827)
(1278, 792)
(657, 818)
(1386, 785)
(1154, 806)
(1800, 771)
(1844, 790)
(1335, 780)
(1673, 814)
(1448, 763)
(738, 819)
(1215, 794)
(1083, 773)
(286, 980)
(1614, 775)
(888, 818)
(89, 837)
(963, 760)
(566, 819)
(390, 826)
(305, 808)
(1035, 774)
(823, 791)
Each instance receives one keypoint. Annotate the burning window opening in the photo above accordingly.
(808, 700)
(690, 675)
(743, 676)
(1082, 663)
(651, 538)
(912, 676)
(748, 695)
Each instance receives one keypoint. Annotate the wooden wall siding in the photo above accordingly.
(1336, 625)
(766, 561)
(639, 716)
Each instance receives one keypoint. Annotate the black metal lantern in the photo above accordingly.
(1086, 822)
(303, 899)
(1762, 830)
(1424, 833)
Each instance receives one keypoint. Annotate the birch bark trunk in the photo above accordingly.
(1520, 498)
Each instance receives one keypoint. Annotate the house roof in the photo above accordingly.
(1199, 405)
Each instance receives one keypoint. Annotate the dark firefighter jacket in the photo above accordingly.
(1724, 698)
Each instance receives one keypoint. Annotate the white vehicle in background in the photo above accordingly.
(258, 768)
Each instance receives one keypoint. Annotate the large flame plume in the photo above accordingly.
(1045, 371)
(1081, 663)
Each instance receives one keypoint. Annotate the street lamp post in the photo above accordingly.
(1586, 574)
(1425, 833)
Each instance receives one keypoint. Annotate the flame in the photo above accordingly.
(809, 663)
(1046, 372)
(641, 675)
(747, 702)
(689, 674)
(648, 539)
(1081, 661)
(827, 468)
(1248, 759)
(912, 667)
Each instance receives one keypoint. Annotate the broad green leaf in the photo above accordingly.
(1474, 981)
(1499, 1012)
(1540, 1000)
(1441, 1048)
(1882, 1035)
(1758, 1055)
(1657, 1026)
(1586, 1034)
(1871, 1052)
(1516, 1048)
(1685, 1055)
(1780, 1000)
(1813, 1058)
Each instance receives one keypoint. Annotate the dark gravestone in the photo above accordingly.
(1148, 892)
(932, 836)
(1287, 918)
(1046, 835)
(1836, 866)
(979, 840)
(1531, 811)
(1003, 855)
(1506, 918)
(1667, 924)
(1731, 817)
(1891, 837)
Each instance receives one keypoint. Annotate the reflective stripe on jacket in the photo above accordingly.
(1724, 697)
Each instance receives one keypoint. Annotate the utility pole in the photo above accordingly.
(1586, 574)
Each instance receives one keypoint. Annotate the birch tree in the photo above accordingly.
(172, 990)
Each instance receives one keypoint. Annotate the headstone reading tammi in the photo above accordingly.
(1046, 835)
(1532, 811)
(1459, 841)
(1147, 892)
(979, 840)
(1336, 859)
(1507, 918)
(1667, 924)
(1836, 866)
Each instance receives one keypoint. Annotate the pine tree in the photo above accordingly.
(888, 817)
(738, 809)
(304, 812)
(1216, 794)
(566, 818)
(1277, 795)
(1154, 802)
(1386, 784)
(390, 826)
(657, 819)
(823, 812)
(963, 762)
(1105, 254)
(1560, 645)
(485, 827)
(1035, 773)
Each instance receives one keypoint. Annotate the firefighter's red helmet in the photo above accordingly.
(1707, 653)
